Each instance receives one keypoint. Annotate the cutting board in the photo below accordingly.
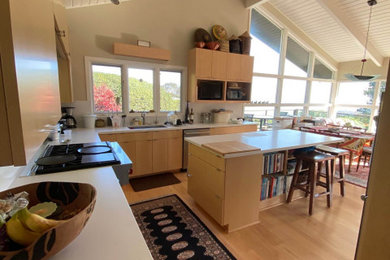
(230, 147)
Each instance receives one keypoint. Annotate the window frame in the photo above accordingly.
(125, 65)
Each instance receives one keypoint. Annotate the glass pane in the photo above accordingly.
(356, 93)
(318, 111)
(293, 91)
(265, 45)
(321, 71)
(170, 89)
(259, 111)
(141, 89)
(264, 90)
(291, 111)
(297, 59)
(359, 117)
(320, 92)
(382, 88)
(107, 88)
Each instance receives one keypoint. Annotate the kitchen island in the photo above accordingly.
(225, 171)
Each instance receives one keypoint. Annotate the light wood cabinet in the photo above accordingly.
(233, 129)
(63, 53)
(152, 151)
(228, 189)
(30, 77)
(204, 64)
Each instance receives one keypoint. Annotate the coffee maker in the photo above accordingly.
(67, 120)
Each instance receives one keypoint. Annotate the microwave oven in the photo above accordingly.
(210, 90)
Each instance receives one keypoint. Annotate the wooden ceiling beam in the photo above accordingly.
(359, 35)
(252, 3)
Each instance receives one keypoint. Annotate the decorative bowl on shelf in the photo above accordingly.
(75, 203)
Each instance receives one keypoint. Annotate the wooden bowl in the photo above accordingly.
(75, 203)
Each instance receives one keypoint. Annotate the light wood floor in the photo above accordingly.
(286, 231)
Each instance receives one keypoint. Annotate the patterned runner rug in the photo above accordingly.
(173, 231)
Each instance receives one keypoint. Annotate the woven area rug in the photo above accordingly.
(359, 177)
(172, 231)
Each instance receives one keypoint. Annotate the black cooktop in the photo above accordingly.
(60, 158)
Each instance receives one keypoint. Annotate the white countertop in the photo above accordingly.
(112, 231)
(269, 141)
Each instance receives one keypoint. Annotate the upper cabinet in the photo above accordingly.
(222, 67)
(29, 86)
(63, 53)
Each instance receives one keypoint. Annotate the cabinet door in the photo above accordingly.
(203, 63)
(218, 67)
(130, 150)
(175, 148)
(144, 157)
(233, 69)
(246, 68)
(160, 155)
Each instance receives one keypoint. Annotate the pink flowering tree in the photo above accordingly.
(105, 100)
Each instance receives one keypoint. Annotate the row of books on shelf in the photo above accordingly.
(273, 162)
(275, 186)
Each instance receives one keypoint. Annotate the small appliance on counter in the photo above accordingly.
(67, 119)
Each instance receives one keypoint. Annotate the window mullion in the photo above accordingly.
(283, 50)
(156, 90)
(125, 90)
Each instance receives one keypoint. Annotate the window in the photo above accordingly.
(356, 93)
(321, 71)
(319, 111)
(170, 91)
(140, 89)
(293, 91)
(265, 45)
(125, 86)
(359, 117)
(258, 111)
(263, 90)
(107, 88)
(382, 88)
(297, 59)
(320, 92)
(291, 111)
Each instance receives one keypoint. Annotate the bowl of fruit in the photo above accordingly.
(40, 219)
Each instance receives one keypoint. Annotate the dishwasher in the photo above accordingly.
(191, 133)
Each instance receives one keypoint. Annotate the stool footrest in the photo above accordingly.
(321, 194)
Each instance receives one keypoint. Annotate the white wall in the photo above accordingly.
(168, 24)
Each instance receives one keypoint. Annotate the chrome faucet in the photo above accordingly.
(143, 115)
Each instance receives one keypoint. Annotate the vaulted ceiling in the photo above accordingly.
(338, 27)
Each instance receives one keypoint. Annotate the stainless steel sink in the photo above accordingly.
(146, 126)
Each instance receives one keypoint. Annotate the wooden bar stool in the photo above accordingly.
(338, 153)
(307, 180)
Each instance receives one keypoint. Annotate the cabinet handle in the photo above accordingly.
(61, 33)
(363, 197)
(189, 175)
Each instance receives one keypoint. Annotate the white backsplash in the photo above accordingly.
(84, 108)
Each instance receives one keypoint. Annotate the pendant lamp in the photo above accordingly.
(362, 77)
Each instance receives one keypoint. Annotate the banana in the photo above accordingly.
(19, 234)
(35, 222)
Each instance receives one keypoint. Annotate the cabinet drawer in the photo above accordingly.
(213, 159)
(128, 137)
(167, 134)
(107, 137)
(211, 178)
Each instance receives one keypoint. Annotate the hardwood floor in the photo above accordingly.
(286, 231)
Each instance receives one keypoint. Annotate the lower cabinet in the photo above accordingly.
(152, 151)
(233, 129)
(228, 189)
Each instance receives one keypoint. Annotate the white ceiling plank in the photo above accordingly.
(331, 7)
(252, 3)
(295, 30)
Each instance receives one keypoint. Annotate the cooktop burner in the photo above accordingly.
(59, 158)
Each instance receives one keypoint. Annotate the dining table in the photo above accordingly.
(354, 140)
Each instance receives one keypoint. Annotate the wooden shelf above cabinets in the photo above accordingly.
(216, 66)
(141, 52)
